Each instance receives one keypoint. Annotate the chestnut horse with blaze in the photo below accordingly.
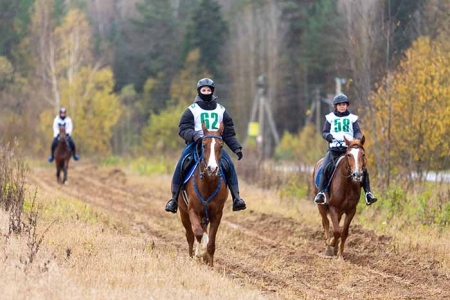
(202, 200)
(343, 196)
(62, 155)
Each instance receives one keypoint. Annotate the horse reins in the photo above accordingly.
(205, 202)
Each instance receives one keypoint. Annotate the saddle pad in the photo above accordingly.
(189, 174)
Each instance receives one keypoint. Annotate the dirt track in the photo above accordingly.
(281, 256)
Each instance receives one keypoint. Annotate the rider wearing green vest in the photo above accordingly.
(338, 124)
(206, 109)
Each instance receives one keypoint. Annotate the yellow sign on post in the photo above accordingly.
(253, 129)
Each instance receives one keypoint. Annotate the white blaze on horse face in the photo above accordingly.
(355, 153)
(212, 163)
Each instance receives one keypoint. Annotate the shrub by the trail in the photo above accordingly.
(13, 173)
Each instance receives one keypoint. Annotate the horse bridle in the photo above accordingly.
(202, 157)
(203, 201)
(352, 174)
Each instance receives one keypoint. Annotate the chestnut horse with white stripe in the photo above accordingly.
(344, 194)
(202, 200)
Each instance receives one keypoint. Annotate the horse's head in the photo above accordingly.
(62, 131)
(212, 149)
(356, 158)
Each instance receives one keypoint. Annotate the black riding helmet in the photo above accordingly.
(340, 98)
(205, 82)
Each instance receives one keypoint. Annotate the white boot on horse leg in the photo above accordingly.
(200, 249)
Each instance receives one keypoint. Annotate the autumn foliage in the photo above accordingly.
(413, 110)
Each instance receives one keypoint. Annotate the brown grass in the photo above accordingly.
(112, 240)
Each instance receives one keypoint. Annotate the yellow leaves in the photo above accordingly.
(73, 41)
(416, 104)
(6, 70)
(96, 109)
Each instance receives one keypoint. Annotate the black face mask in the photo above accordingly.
(204, 97)
(62, 117)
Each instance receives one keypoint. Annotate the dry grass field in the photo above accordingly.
(108, 237)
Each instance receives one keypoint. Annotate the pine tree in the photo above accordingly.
(207, 31)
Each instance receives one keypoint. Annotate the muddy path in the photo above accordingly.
(281, 256)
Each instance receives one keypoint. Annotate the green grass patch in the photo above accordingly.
(71, 209)
(112, 161)
(152, 166)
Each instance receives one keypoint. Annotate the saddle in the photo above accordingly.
(321, 170)
(190, 162)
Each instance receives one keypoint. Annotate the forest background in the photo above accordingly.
(126, 70)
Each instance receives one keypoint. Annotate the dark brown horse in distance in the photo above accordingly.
(62, 155)
(202, 200)
(344, 193)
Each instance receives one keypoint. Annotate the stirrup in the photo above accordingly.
(370, 195)
(320, 198)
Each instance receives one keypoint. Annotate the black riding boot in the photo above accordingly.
(370, 198)
(73, 148)
(238, 202)
(54, 144)
(321, 198)
(172, 205)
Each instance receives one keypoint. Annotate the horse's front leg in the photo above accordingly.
(58, 176)
(213, 227)
(348, 219)
(323, 210)
(65, 175)
(189, 233)
(336, 228)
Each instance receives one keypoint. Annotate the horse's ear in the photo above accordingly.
(221, 127)
(347, 142)
(363, 139)
(204, 128)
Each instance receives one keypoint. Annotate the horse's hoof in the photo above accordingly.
(329, 252)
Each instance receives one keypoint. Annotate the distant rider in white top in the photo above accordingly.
(62, 118)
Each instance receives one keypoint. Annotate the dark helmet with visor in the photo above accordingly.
(205, 82)
(340, 98)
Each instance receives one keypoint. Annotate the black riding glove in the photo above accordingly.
(329, 138)
(239, 153)
(197, 137)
